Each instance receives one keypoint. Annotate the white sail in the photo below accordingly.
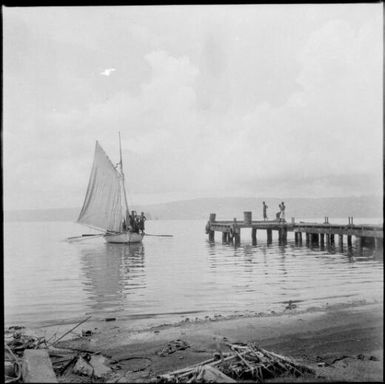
(102, 208)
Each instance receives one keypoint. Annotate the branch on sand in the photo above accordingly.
(244, 362)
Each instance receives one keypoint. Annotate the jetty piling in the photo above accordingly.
(321, 234)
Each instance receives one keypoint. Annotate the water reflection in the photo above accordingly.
(111, 273)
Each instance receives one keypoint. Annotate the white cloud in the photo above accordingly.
(233, 100)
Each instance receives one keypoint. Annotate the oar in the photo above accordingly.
(85, 236)
(149, 234)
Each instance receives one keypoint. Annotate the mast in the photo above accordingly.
(121, 169)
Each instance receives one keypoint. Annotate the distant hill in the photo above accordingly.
(228, 208)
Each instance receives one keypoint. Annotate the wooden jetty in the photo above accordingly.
(315, 233)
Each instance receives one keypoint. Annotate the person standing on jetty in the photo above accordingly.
(265, 211)
(282, 207)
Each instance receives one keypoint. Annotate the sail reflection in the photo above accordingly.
(112, 272)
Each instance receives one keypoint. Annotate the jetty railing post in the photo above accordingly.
(211, 232)
(247, 217)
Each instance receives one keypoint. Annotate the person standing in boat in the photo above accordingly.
(133, 222)
(124, 226)
(142, 219)
(265, 211)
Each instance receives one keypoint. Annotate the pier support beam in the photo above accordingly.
(300, 237)
(224, 237)
(282, 235)
(314, 238)
(269, 236)
(341, 242)
(368, 242)
(237, 238)
(296, 237)
(322, 239)
(349, 240)
(236, 232)
(331, 238)
(307, 238)
(211, 235)
(379, 243)
(254, 236)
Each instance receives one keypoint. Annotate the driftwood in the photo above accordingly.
(244, 362)
(13, 374)
(77, 325)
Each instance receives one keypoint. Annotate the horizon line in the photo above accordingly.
(207, 198)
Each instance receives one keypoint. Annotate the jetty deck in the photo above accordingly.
(365, 234)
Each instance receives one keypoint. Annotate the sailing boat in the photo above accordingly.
(105, 205)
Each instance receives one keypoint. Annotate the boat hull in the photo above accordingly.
(126, 237)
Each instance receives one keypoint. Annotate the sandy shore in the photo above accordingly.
(342, 343)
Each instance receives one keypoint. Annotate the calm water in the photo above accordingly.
(50, 281)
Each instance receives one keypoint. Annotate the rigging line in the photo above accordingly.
(121, 168)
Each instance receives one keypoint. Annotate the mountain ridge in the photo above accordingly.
(228, 208)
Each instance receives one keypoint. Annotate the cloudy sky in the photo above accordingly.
(252, 100)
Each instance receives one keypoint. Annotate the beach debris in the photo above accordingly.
(18, 342)
(98, 364)
(12, 366)
(87, 333)
(173, 346)
(110, 319)
(290, 305)
(62, 363)
(244, 362)
(37, 367)
(83, 368)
